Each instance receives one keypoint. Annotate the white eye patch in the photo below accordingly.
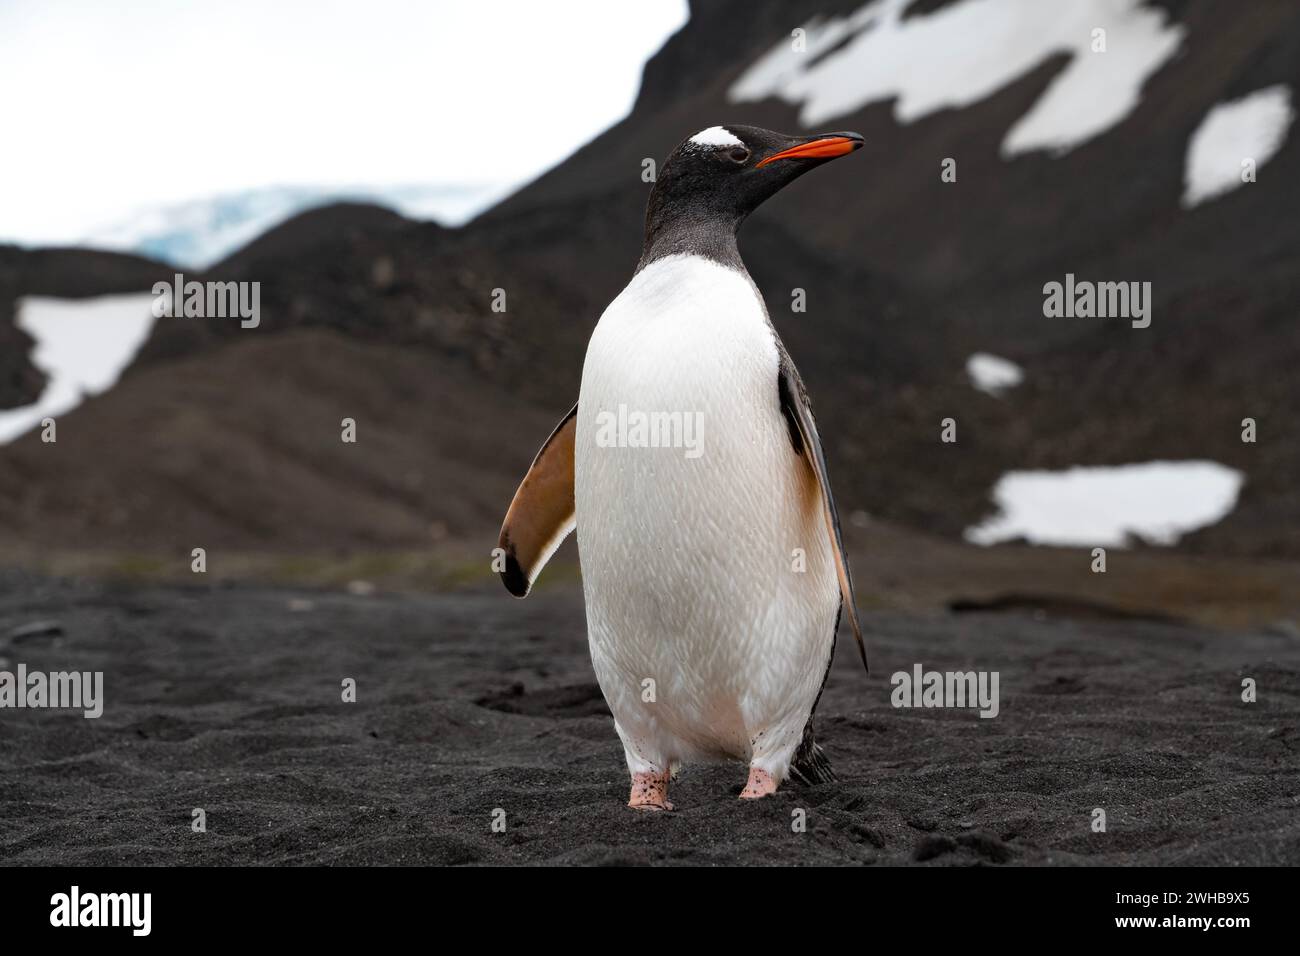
(715, 137)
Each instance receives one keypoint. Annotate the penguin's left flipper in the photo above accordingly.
(542, 512)
(803, 435)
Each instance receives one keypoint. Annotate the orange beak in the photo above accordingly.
(826, 148)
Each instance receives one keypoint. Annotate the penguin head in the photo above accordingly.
(726, 172)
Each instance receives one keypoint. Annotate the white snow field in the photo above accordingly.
(82, 345)
(963, 53)
(1158, 501)
(1253, 127)
(993, 374)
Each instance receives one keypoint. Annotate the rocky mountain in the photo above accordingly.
(1068, 160)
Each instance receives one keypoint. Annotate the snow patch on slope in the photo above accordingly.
(965, 52)
(1158, 501)
(1253, 127)
(993, 374)
(82, 345)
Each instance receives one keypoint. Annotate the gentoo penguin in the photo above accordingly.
(712, 565)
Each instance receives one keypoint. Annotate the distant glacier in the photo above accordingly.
(202, 232)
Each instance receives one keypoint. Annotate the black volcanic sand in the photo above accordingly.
(229, 699)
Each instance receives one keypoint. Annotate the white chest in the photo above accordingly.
(686, 329)
(678, 415)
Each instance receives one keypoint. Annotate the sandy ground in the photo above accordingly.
(228, 699)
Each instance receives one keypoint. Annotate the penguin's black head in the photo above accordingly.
(724, 173)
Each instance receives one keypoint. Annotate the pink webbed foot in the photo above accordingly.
(760, 784)
(649, 791)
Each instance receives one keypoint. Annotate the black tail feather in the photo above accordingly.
(810, 764)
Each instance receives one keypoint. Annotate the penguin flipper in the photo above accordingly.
(542, 512)
(803, 435)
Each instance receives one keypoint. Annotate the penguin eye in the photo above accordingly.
(739, 154)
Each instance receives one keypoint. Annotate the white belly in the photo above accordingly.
(709, 581)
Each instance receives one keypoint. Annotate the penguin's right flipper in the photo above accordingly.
(803, 435)
(542, 512)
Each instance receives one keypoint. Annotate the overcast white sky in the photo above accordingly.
(111, 107)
